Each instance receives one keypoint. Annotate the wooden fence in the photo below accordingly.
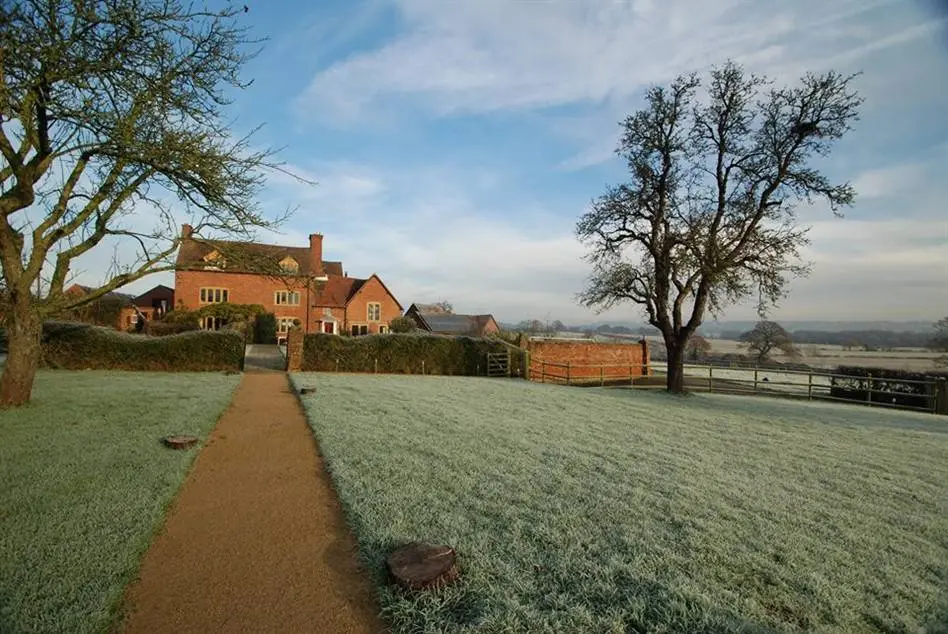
(809, 385)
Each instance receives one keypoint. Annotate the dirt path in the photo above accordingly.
(256, 541)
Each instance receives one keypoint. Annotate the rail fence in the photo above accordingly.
(925, 396)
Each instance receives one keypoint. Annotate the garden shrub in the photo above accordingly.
(164, 328)
(74, 346)
(398, 353)
(265, 328)
(893, 390)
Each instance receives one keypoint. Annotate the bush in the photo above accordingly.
(164, 328)
(893, 391)
(265, 328)
(402, 325)
(73, 346)
(398, 354)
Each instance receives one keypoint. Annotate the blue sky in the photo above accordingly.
(455, 144)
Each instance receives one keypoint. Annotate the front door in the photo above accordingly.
(329, 327)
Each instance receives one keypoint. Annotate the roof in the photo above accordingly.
(446, 323)
(249, 257)
(429, 309)
(85, 290)
(158, 292)
(338, 291)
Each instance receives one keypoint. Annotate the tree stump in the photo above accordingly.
(418, 566)
(180, 441)
(307, 390)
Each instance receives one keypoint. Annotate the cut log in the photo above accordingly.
(418, 566)
(307, 390)
(180, 441)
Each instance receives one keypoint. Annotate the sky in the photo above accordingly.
(454, 145)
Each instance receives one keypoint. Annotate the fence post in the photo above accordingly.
(569, 372)
(542, 371)
(422, 366)
(631, 378)
(602, 377)
(755, 379)
(809, 386)
(376, 365)
(337, 365)
(869, 389)
(941, 396)
(710, 378)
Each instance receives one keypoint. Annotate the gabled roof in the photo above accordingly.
(81, 289)
(248, 257)
(340, 290)
(429, 309)
(447, 323)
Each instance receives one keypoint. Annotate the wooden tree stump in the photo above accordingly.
(418, 566)
(180, 441)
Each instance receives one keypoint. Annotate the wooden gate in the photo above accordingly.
(498, 364)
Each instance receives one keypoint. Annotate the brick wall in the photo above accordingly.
(615, 361)
(357, 311)
(294, 350)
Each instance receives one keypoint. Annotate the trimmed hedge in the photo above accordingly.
(265, 328)
(893, 390)
(73, 346)
(165, 328)
(398, 354)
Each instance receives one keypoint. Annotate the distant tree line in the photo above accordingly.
(853, 339)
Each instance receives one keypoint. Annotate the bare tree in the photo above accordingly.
(111, 123)
(767, 336)
(939, 340)
(445, 306)
(707, 215)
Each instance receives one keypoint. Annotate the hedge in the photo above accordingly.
(165, 328)
(888, 381)
(74, 346)
(398, 354)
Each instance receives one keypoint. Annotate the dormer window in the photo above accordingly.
(289, 265)
(214, 260)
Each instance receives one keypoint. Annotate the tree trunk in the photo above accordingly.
(24, 331)
(676, 370)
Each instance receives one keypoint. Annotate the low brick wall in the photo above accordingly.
(587, 361)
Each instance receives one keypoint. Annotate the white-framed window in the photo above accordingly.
(375, 311)
(212, 323)
(286, 298)
(214, 295)
(359, 329)
(383, 329)
(285, 323)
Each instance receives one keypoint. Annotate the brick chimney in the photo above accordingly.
(186, 231)
(316, 253)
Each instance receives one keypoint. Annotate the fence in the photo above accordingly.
(810, 385)
(586, 362)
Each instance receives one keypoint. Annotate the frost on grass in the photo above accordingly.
(611, 510)
(86, 482)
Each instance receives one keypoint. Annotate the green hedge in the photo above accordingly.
(398, 354)
(73, 346)
(265, 328)
(165, 328)
(891, 385)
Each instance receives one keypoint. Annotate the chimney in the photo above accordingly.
(316, 253)
(186, 231)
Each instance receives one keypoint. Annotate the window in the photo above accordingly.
(213, 295)
(375, 311)
(383, 330)
(286, 298)
(213, 323)
(359, 329)
(285, 323)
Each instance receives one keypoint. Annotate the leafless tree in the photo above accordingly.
(111, 124)
(767, 336)
(706, 217)
(697, 347)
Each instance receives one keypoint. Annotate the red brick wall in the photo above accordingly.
(243, 288)
(357, 311)
(616, 360)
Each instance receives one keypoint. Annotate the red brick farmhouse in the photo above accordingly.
(313, 291)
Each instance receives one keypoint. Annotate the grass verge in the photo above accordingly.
(618, 510)
(86, 483)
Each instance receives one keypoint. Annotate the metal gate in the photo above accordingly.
(498, 364)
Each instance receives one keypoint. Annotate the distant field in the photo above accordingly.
(627, 511)
(828, 357)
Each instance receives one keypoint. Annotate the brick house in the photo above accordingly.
(151, 304)
(436, 319)
(315, 292)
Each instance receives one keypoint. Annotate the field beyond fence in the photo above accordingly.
(918, 394)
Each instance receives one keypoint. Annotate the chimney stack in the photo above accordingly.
(316, 253)
(186, 231)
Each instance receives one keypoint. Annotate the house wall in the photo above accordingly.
(244, 288)
(356, 313)
(491, 328)
(617, 360)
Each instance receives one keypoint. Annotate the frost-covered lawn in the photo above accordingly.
(590, 510)
(84, 483)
